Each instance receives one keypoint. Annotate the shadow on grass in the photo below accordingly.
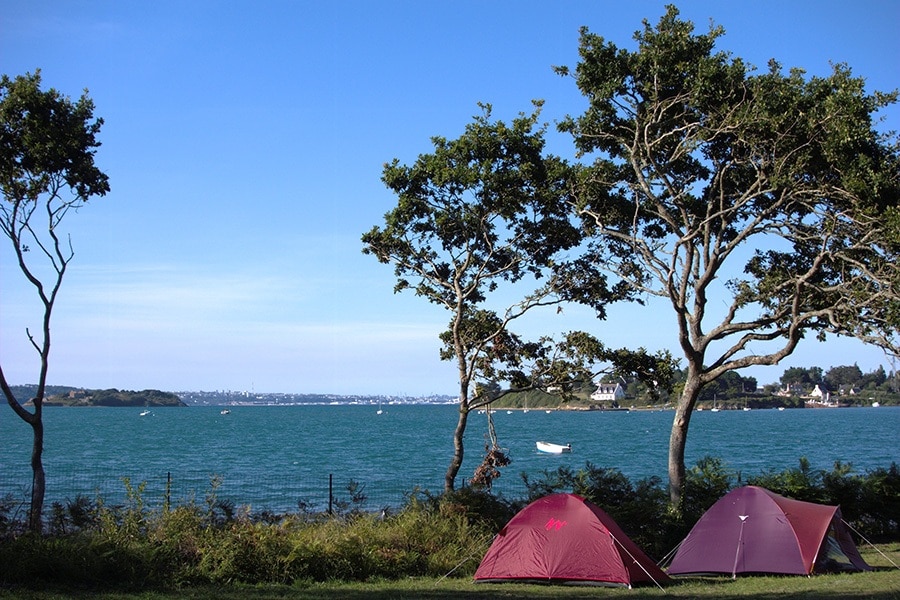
(881, 585)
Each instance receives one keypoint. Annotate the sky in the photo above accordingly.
(244, 142)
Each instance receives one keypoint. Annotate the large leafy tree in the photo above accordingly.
(756, 205)
(479, 217)
(845, 375)
(47, 171)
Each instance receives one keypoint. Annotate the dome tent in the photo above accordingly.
(565, 539)
(754, 530)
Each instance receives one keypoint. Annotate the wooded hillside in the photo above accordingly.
(67, 396)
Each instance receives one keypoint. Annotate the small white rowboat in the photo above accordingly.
(553, 448)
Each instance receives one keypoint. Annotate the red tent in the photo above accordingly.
(753, 530)
(563, 538)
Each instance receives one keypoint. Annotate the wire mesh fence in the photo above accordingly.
(257, 491)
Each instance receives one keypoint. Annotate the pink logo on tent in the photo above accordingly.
(555, 524)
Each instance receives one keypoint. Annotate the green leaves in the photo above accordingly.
(759, 206)
(474, 219)
(46, 141)
(485, 208)
(695, 158)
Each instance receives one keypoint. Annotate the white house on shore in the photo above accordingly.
(818, 392)
(820, 396)
(608, 392)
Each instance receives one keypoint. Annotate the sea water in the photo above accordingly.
(274, 457)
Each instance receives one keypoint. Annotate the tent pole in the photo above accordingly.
(737, 550)
(636, 561)
(863, 538)
(482, 540)
(668, 557)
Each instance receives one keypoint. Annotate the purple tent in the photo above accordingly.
(753, 530)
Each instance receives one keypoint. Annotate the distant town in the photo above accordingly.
(230, 398)
(59, 395)
(798, 387)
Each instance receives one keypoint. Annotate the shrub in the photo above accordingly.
(878, 514)
(704, 484)
(247, 552)
(11, 516)
(91, 544)
(801, 484)
(640, 509)
(479, 507)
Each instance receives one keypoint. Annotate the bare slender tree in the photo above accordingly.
(47, 146)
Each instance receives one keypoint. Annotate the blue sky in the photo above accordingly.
(244, 143)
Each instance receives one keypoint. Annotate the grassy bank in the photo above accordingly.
(882, 584)
(428, 549)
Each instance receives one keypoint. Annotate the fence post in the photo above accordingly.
(167, 499)
(330, 492)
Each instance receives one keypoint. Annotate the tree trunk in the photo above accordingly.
(456, 462)
(36, 421)
(38, 483)
(678, 438)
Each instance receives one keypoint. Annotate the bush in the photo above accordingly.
(91, 544)
(801, 484)
(479, 507)
(704, 484)
(640, 509)
(879, 510)
(869, 502)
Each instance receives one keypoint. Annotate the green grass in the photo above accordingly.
(882, 584)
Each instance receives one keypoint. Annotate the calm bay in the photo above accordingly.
(271, 457)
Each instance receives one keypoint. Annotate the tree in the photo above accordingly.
(799, 376)
(874, 379)
(482, 210)
(47, 147)
(843, 376)
(753, 204)
(729, 386)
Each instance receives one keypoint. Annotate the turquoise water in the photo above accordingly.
(270, 457)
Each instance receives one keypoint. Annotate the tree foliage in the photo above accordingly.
(474, 218)
(47, 148)
(757, 205)
(801, 376)
(846, 375)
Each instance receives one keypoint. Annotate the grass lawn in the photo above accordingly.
(882, 584)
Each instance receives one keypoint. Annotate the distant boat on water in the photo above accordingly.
(551, 448)
(225, 411)
(348, 443)
(146, 412)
